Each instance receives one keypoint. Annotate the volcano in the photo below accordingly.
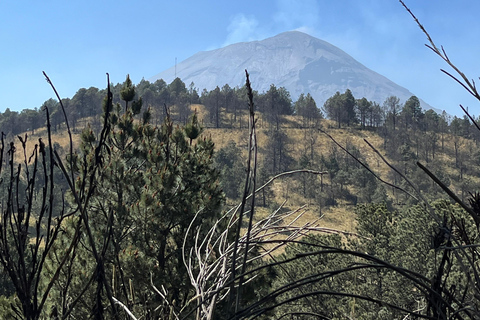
(294, 60)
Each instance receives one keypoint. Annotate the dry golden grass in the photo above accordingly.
(60, 136)
(341, 218)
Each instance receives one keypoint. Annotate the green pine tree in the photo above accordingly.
(151, 184)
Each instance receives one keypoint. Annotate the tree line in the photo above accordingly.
(226, 105)
(409, 133)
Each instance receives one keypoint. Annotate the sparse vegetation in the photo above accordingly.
(235, 204)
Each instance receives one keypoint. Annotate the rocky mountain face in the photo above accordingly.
(294, 60)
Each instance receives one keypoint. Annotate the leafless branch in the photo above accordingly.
(465, 82)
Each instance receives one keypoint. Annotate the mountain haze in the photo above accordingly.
(294, 60)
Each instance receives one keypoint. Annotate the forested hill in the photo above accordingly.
(290, 138)
(148, 211)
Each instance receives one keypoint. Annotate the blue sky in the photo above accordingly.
(77, 42)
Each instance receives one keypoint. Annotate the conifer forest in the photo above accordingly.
(157, 201)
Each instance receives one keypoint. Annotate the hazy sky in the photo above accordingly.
(77, 42)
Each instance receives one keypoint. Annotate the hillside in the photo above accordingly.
(339, 214)
(154, 205)
(459, 177)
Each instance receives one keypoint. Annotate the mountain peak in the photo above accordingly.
(295, 60)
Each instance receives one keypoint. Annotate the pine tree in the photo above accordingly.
(151, 185)
(127, 93)
(341, 108)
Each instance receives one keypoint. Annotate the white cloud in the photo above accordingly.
(287, 15)
(296, 14)
(308, 30)
(242, 28)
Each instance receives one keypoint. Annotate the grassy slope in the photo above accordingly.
(340, 218)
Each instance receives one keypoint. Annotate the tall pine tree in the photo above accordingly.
(152, 184)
